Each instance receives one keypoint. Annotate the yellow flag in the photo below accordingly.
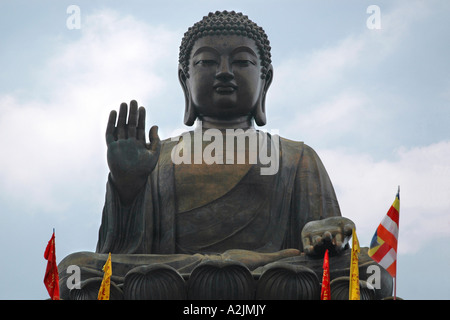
(354, 293)
(103, 293)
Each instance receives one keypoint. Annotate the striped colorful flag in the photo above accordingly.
(383, 247)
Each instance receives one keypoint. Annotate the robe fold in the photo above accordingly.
(188, 214)
(185, 211)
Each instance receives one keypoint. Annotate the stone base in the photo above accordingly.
(193, 277)
(221, 280)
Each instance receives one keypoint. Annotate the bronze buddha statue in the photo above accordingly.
(211, 215)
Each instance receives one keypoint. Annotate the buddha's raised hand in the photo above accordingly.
(130, 158)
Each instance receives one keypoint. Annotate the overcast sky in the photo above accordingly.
(372, 97)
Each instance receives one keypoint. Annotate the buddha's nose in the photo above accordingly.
(224, 71)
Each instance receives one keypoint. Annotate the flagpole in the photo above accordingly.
(396, 256)
(395, 287)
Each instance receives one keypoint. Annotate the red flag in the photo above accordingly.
(325, 293)
(51, 278)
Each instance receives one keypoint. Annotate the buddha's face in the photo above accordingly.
(225, 78)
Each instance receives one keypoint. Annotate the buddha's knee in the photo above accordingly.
(377, 278)
(76, 269)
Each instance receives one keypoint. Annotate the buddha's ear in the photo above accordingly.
(260, 110)
(189, 112)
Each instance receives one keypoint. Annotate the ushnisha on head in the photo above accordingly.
(220, 31)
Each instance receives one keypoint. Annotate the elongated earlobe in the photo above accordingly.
(189, 111)
(260, 110)
(260, 114)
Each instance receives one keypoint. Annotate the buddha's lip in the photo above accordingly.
(225, 87)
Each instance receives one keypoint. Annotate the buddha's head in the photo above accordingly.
(225, 70)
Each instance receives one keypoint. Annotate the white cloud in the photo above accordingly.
(366, 189)
(340, 114)
(53, 145)
(323, 90)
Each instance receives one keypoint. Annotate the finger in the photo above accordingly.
(140, 134)
(155, 142)
(306, 242)
(132, 119)
(338, 241)
(327, 237)
(322, 243)
(122, 122)
(309, 250)
(110, 127)
(348, 230)
(316, 240)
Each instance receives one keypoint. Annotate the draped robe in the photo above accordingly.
(189, 213)
(193, 208)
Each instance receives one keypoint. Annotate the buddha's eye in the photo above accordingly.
(243, 62)
(205, 62)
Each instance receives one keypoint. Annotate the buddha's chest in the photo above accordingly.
(208, 169)
(199, 184)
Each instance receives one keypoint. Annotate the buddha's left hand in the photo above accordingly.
(331, 233)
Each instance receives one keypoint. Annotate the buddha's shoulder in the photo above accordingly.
(298, 147)
(293, 145)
